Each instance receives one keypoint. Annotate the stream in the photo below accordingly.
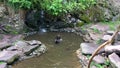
(60, 55)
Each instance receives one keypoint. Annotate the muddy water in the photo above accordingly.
(58, 55)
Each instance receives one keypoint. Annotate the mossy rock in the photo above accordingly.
(85, 18)
(96, 14)
(80, 24)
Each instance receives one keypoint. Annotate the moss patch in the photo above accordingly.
(2, 62)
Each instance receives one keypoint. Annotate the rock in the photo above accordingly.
(107, 14)
(8, 56)
(110, 33)
(106, 37)
(100, 27)
(88, 48)
(9, 66)
(93, 67)
(83, 59)
(54, 30)
(99, 59)
(42, 49)
(4, 44)
(38, 54)
(2, 10)
(24, 48)
(3, 65)
(115, 6)
(117, 43)
(13, 23)
(118, 36)
(26, 57)
(115, 60)
(95, 36)
(112, 49)
(9, 40)
(27, 50)
(16, 38)
(34, 42)
(21, 44)
(111, 11)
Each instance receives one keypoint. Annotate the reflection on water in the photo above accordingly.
(58, 55)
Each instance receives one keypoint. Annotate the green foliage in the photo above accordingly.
(57, 7)
(88, 56)
(96, 30)
(54, 7)
(107, 62)
(18, 4)
(99, 41)
(2, 62)
(1, 0)
(97, 65)
(79, 24)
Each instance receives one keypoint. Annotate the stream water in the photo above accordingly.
(60, 55)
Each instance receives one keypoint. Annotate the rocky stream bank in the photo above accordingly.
(103, 59)
(14, 49)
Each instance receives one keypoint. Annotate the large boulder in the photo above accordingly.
(32, 47)
(4, 44)
(88, 48)
(99, 59)
(8, 56)
(115, 60)
(23, 47)
(8, 40)
(40, 50)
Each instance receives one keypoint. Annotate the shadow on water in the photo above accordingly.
(60, 55)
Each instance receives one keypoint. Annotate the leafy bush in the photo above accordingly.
(54, 7)
(57, 7)
(18, 4)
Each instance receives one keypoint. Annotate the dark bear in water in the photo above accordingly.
(58, 39)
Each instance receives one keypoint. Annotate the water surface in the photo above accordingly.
(58, 55)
